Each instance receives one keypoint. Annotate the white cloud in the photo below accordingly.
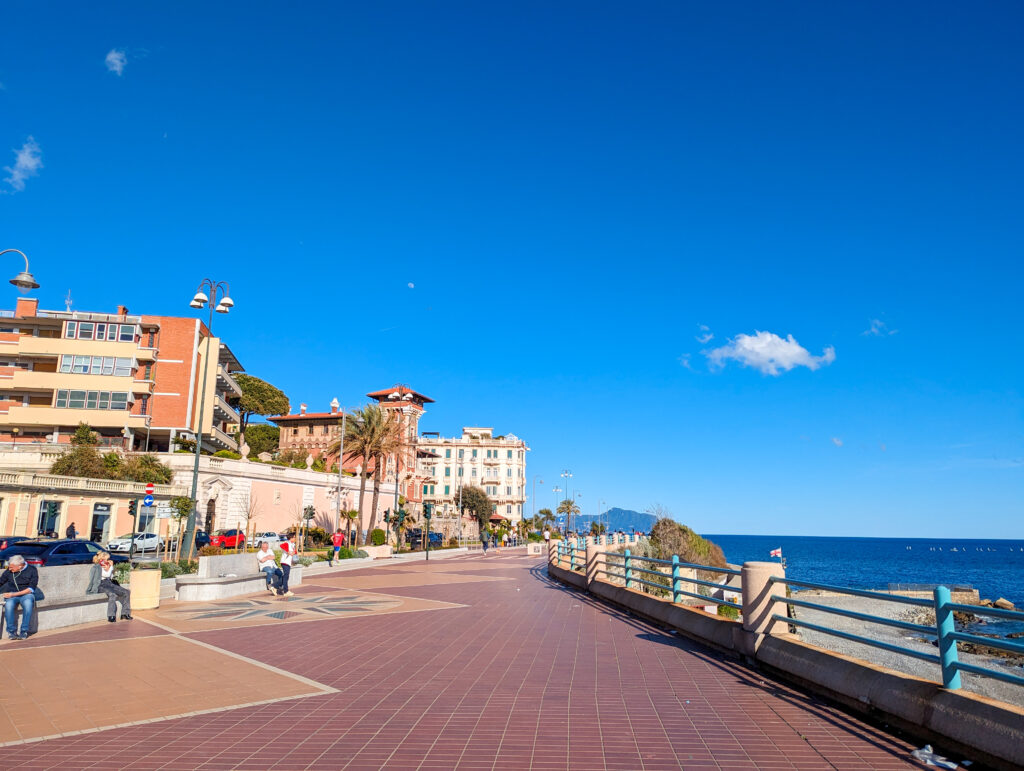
(685, 361)
(27, 163)
(411, 285)
(705, 335)
(768, 353)
(837, 441)
(116, 61)
(879, 328)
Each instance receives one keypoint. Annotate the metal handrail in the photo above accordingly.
(991, 642)
(984, 610)
(855, 592)
(857, 638)
(995, 674)
(854, 614)
(670, 563)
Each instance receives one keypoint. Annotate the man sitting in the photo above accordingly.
(268, 566)
(18, 586)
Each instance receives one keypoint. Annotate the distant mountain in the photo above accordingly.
(619, 519)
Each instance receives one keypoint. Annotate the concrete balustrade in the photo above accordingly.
(980, 728)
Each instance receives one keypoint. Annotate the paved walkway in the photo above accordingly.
(470, 663)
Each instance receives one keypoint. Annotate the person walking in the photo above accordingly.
(268, 566)
(483, 539)
(71, 532)
(102, 581)
(18, 587)
(287, 555)
(504, 540)
(338, 540)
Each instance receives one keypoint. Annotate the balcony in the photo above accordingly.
(80, 485)
(226, 382)
(223, 440)
(224, 411)
(28, 380)
(56, 346)
(53, 416)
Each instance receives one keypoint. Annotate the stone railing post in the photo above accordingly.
(553, 552)
(595, 563)
(758, 607)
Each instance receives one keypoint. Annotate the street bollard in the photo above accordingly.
(946, 627)
(676, 596)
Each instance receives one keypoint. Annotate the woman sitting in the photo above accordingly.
(101, 580)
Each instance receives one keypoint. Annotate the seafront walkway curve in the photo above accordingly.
(470, 662)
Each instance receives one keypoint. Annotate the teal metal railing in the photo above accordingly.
(944, 630)
(625, 568)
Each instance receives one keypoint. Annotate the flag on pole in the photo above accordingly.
(776, 553)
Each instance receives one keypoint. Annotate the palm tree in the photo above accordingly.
(387, 442)
(569, 508)
(362, 435)
(350, 517)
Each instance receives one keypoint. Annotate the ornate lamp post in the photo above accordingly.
(221, 305)
(25, 281)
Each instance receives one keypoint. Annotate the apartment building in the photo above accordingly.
(310, 432)
(497, 464)
(136, 380)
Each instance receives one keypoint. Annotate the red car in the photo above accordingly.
(228, 539)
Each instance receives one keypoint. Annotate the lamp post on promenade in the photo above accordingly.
(25, 281)
(223, 305)
(567, 475)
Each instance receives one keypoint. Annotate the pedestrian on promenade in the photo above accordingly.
(268, 566)
(287, 554)
(547, 537)
(504, 540)
(102, 581)
(18, 586)
(483, 539)
(71, 532)
(338, 539)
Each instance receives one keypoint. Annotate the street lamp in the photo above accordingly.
(567, 475)
(25, 281)
(221, 305)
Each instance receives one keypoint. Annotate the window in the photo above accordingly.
(118, 400)
(148, 372)
(424, 489)
(461, 453)
(62, 399)
(112, 332)
(508, 491)
(122, 367)
(508, 472)
(150, 340)
(474, 453)
(101, 331)
(85, 330)
(295, 431)
(144, 405)
(309, 429)
(76, 400)
(447, 453)
(98, 365)
(127, 333)
(474, 472)
(447, 489)
(460, 470)
(326, 429)
(508, 508)
(447, 471)
(431, 489)
(70, 328)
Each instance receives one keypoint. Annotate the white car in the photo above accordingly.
(273, 539)
(143, 542)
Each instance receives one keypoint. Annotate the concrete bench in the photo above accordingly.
(227, 575)
(65, 602)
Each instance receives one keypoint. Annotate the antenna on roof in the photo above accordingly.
(67, 302)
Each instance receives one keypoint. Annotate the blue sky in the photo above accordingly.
(579, 194)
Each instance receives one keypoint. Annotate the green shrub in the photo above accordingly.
(378, 537)
(170, 569)
(726, 612)
(534, 537)
(227, 454)
(319, 464)
(210, 551)
(121, 570)
(305, 561)
(453, 541)
(188, 566)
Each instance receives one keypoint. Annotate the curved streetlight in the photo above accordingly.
(215, 295)
(25, 281)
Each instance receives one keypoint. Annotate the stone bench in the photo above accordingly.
(65, 602)
(226, 575)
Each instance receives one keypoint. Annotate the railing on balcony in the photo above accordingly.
(29, 480)
(228, 380)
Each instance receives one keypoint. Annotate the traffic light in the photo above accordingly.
(387, 515)
(133, 508)
(428, 510)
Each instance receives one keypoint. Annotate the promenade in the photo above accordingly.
(464, 663)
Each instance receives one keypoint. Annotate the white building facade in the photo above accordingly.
(497, 464)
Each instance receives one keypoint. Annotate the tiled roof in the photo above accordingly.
(402, 390)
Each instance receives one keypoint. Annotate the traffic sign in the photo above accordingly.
(163, 510)
(147, 501)
(149, 489)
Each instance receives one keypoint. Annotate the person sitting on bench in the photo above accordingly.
(18, 585)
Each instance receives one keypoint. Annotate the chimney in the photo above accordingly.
(122, 310)
(302, 409)
(26, 307)
(334, 406)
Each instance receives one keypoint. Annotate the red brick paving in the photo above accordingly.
(529, 676)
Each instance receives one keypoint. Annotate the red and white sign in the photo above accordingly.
(777, 553)
(149, 488)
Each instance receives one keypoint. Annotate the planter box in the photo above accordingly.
(145, 588)
(377, 552)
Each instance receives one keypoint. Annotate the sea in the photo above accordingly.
(994, 567)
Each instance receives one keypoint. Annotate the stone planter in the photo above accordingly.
(145, 587)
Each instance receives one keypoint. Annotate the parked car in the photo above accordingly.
(6, 539)
(228, 539)
(274, 539)
(202, 539)
(414, 538)
(54, 552)
(143, 542)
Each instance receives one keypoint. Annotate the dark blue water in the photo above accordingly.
(994, 568)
